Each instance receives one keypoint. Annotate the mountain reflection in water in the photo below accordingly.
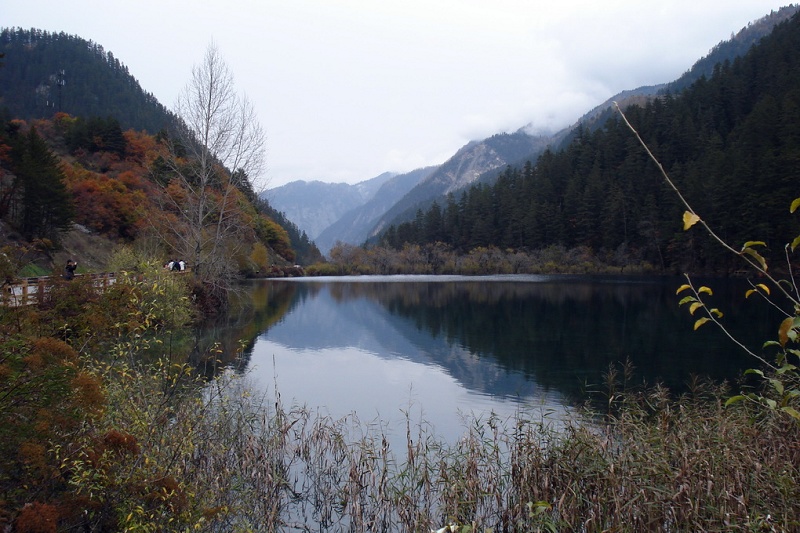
(382, 345)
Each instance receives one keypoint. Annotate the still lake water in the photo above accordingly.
(441, 350)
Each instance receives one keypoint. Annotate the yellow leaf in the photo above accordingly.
(734, 399)
(791, 412)
(783, 331)
(755, 255)
(689, 220)
(796, 242)
(748, 293)
(706, 290)
(683, 288)
(700, 322)
(795, 205)
(750, 244)
(763, 287)
(694, 307)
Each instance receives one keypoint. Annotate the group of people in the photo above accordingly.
(176, 266)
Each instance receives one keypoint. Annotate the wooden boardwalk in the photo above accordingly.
(27, 291)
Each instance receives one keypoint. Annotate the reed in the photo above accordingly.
(648, 462)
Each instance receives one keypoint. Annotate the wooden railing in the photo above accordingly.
(26, 291)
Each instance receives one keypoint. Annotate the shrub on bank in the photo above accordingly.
(439, 258)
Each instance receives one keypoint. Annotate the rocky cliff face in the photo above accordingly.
(353, 213)
(472, 162)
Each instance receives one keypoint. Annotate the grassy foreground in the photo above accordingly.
(95, 437)
(652, 463)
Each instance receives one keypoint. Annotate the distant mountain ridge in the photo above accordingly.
(354, 226)
(463, 169)
(315, 205)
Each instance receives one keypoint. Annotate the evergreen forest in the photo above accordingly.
(44, 73)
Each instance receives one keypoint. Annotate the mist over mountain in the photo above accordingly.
(724, 51)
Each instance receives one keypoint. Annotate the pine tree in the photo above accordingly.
(44, 207)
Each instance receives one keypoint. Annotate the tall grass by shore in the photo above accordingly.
(648, 462)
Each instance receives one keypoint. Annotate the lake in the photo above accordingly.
(437, 351)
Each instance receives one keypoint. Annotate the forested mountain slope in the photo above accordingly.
(44, 73)
(462, 169)
(101, 142)
(112, 183)
(725, 51)
(731, 143)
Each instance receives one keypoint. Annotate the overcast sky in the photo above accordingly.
(348, 89)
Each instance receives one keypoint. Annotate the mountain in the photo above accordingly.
(458, 173)
(48, 72)
(315, 205)
(327, 219)
(77, 131)
(729, 144)
(464, 168)
(738, 45)
(307, 252)
(354, 226)
(353, 213)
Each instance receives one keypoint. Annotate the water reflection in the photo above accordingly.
(560, 332)
(377, 346)
(433, 347)
(227, 341)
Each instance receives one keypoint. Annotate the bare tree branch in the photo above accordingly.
(220, 144)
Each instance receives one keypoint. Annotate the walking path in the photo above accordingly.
(25, 291)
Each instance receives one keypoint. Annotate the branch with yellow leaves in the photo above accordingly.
(690, 218)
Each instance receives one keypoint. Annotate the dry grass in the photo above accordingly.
(652, 463)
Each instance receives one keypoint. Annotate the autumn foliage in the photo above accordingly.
(118, 185)
(45, 398)
(59, 428)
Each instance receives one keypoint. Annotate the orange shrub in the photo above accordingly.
(37, 518)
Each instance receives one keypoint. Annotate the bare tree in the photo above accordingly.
(219, 148)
